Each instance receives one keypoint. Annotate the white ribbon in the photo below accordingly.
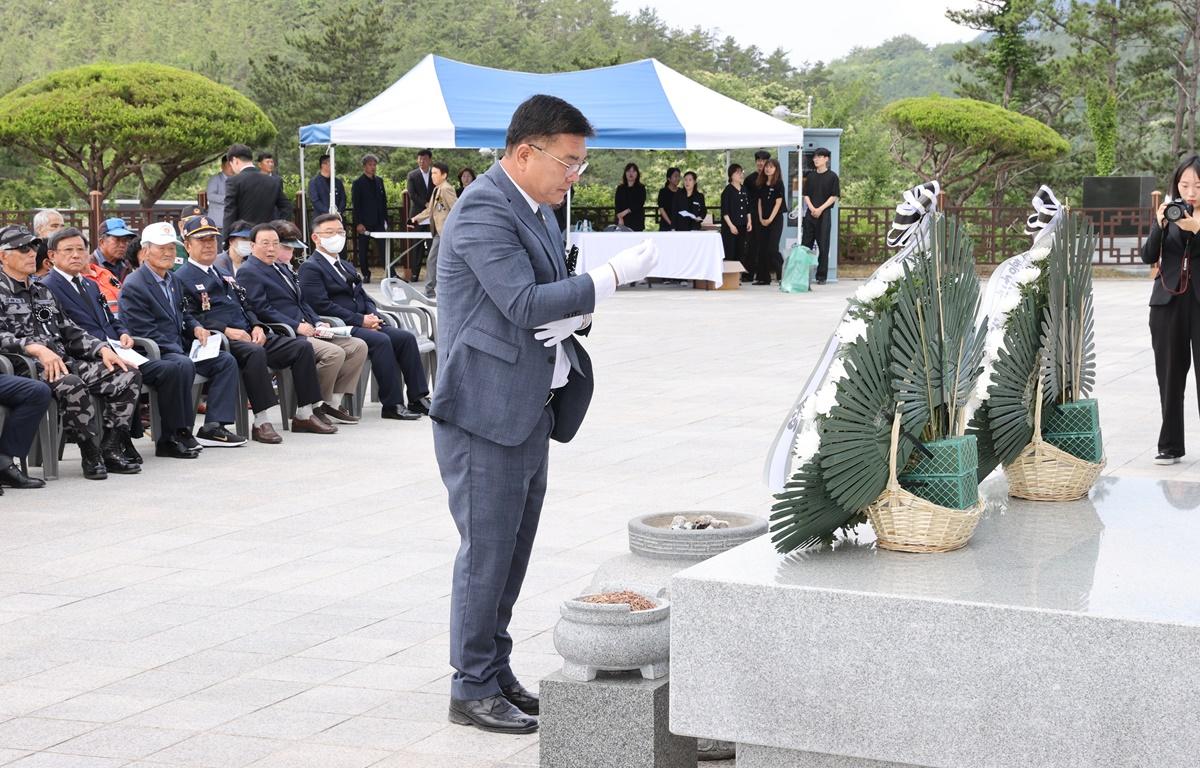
(1045, 207)
(918, 202)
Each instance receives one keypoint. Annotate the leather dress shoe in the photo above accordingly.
(318, 416)
(265, 434)
(92, 461)
(521, 698)
(420, 405)
(129, 451)
(494, 714)
(399, 412)
(188, 440)
(113, 451)
(13, 477)
(331, 414)
(313, 425)
(174, 448)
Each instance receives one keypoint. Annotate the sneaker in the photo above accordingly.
(1166, 459)
(214, 435)
(186, 437)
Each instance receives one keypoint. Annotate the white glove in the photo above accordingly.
(555, 331)
(633, 264)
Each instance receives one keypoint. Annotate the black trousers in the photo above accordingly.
(1175, 336)
(767, 258)
(27, 401)
(816, 231)
(367, 246)
(279, 352)
(420, 250)
(736, 247)
(393, 353)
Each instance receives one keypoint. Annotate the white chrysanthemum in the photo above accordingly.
(993, 343)
(890, 272)
(808, 409)
(871, 291)
(826, 398)
(1008, 302)
(837, 370)
(808, 443)
(851, 330)
(1039, 253)
(1028, 275)
(981, 386)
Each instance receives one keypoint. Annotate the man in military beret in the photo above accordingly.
(75, 364)
(218, 303)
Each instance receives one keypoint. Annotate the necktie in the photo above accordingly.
(287, 278)
(78, 281)
(341, 271)
(166, 289)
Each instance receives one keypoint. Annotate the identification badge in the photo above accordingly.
(205, 303)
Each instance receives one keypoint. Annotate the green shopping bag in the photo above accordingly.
(797, 270)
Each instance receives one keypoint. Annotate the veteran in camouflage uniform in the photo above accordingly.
(75, 364)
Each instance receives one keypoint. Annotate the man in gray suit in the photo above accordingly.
(512, 375)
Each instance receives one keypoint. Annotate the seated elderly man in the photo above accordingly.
(172, 376)
(115, 237)
(275, 296)
(334, 287)
(216, 300)
(152, 306)
(77, 366)
(26, 400)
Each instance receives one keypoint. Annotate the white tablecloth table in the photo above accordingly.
(681, 255)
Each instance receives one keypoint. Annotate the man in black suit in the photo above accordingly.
(369, 199)
(250, 194)
(172, 377)
(420, 189)
(219, 304)
(152, 306)
(334, 288)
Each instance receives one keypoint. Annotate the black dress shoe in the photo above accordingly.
(420, 405)
(399, 412)
(113, 452)
(762, 282)
(129, 451)
(520, 698)
(92, 461)
(494, 714)
(188, 440)
(13, 477)
(174, 448)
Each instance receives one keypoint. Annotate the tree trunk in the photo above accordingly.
(1181, 101)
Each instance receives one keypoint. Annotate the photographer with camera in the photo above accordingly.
(1174, 313)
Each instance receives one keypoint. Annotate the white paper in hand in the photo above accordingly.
(128, 355)
(208, 350)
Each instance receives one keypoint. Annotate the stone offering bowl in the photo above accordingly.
(594, 636)
(652, 536)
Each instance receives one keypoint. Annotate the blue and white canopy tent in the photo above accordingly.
(446, 104)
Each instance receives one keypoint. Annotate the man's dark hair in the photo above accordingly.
(64, 234)
(264, 156)
(322, 159)
(445, 169)
(268, 227)
(762, 154)
(821, 152)
(543, 116)
(425, 153)
(324, 217)
(734, 168)
(240, 151)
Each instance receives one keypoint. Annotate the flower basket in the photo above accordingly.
(1045, 472)
(949, 476)
(905, 522)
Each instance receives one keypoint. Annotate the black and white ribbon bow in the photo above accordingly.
(918, 202)
(1045, 205)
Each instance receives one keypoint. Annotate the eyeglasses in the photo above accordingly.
(573, 169)
(19, 248)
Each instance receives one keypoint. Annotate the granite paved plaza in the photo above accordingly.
(286, 606)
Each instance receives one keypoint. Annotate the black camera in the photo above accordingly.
(1176, 210)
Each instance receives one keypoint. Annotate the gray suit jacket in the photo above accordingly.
(501, 273)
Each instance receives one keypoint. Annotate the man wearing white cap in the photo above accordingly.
(151, 306)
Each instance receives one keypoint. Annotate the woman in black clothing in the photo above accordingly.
(670, 202)
(630, 200)
(693, 203)
(465, 177)
(771, 208)
(1174, 314)
(735, 217)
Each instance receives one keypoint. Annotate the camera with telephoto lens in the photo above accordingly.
(1176, 210)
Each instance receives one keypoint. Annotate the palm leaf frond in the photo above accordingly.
(1068, 360)
(804, 514)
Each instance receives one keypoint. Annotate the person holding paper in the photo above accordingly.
(694, 207)
(171, 377)
(152, 307)
(218, 303)
(77, 366)
(514, 376)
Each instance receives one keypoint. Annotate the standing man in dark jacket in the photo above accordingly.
(420, 189)
(318, 190)
(369, 199)
(250, 194)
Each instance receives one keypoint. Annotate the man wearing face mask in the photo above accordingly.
(334, 288)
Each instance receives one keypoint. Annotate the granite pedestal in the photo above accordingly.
(1062, 636)
(614, 720)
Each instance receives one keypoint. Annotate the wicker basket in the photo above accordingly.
(1042, 472)
(905, 522)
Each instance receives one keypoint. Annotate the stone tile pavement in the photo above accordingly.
(287, 606)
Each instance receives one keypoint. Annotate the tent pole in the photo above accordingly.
(332, 179)
(303, 197)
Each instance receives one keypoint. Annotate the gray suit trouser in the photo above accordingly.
(496, 494)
